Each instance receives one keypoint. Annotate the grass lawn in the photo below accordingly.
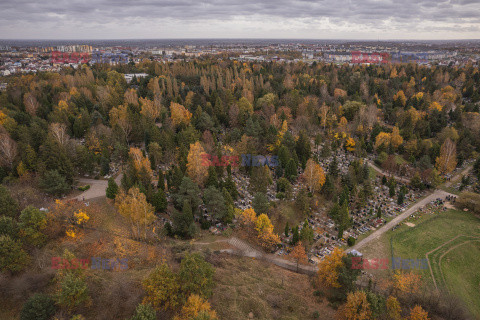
(450, 234)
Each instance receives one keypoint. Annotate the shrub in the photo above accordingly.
(84, 188)
(351, 241)
(144, 312)
(38, 307)
(12, 257)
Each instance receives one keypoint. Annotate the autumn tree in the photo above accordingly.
(179, 114)
(150, 109)
(447, 161)
(162, 288)
(417, 313)
(119, 117)
(136, 209)
(396, 139)
(265, 234)
(356, 307)
(196, 308)
(327, 274)
(406, 283)
(314, 175)
(394, 309)
(298, 254)
(196, 169)
(248, 218)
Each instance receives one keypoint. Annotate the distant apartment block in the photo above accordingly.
(109, 57)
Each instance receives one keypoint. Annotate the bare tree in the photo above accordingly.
(8, 150)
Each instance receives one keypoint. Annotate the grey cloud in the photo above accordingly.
(403, 14)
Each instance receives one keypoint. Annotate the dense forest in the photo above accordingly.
(249, 149)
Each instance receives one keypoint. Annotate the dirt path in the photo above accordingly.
(374, 167)
(377, 233)
(458, 175)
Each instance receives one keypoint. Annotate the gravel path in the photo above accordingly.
(97, 188)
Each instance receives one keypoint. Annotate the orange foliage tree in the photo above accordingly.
(327, 274)
(417, 313)
(298, 254)
(356, 307)
(406, 283)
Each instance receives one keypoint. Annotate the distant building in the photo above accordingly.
(129, 76)
(109, 57)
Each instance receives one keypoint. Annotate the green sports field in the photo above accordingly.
(451, 241)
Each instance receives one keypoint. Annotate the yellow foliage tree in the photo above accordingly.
(141, 163)
(327, 273)
(396, 139)
(136, 209)
(383, 138)
(162, 288)
(393, 309)
(196, 307)
(314, 175)
(179, 114)
(265, 234)
(196, 169)
(356, 307)
(400, 97)
(150, 109)
(435, 106)
(80, 217)
(350, 143)
(447, 161)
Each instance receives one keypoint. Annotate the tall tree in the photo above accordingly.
(298, 254)
(196, 169)
(136, 209)
(447, 161)
(314, 175)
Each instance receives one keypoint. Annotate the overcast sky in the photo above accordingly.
(160, 19)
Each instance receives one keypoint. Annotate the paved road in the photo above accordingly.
(97, 188)
(377, 233)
